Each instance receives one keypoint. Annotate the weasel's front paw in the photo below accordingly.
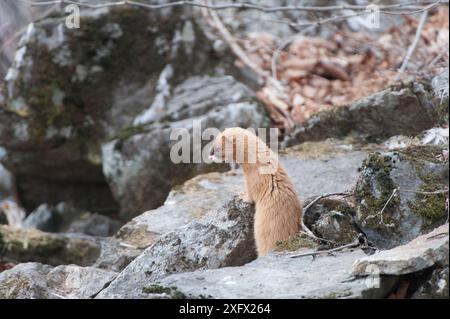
(245, 198)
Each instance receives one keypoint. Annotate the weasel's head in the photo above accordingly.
(234, 145)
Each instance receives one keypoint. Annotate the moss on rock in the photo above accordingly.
(375, 188)
(295, 242)
(172, 292)
(430, 207)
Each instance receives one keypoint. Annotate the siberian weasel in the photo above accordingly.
(278, 211)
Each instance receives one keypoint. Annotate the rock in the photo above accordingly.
(43, 218)
(94, 224)
(436, 287)
(184, 204)
(141, 177)
(278, 276)
(115, 255)
(333, 219)
(426, 251)
(38, 281)
(11, 213)
(318, 168)
(440, 86)
(64, 218)
(433, 136)
(414, 173)
(223, 237)
(25, 281)
(406, 110)
(24, 245)
(6, 183)
(71, 90)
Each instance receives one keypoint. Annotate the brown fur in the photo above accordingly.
(278, 209)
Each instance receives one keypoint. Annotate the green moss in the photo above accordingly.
(295, 242)
(442, 109)
(431, 207)
(24, 243)
(130, 131)
(338, 295)
(375, 188)
(173, 292)
(416, 155)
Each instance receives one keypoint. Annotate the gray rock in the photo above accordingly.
(38, 281)
(184, 204)
(278, 276)
(141, 177)
(70, 90)
(440, 86)
(409, 212)
(333, 219)
(223, 237)
(115, 255)
(405, 110)
(426, 251)
(65, 218)
(94, 224)
(6, 182)
(436, 287)
(25, 245)
(43, 218)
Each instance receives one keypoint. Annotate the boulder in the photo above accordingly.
(43, 218)
(277, 276)
(71, 90)
(65, 218)
(184, 204)
(223, 237)
(407, 110)
(24, 245)
(401, 194)
(424, 252)
(38, 281)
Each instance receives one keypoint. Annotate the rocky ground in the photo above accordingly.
(85, 119)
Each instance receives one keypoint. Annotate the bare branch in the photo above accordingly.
(322, 252)
(413, 45)
(413, 5)
(380, 213)
(437, 192)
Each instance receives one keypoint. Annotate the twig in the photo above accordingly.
(441, 191)
(321, 252)
(437, 235)
(438, 57)
(234, 46)
(394, 192)
(414, 5)
(413, 45)
(315, 200)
